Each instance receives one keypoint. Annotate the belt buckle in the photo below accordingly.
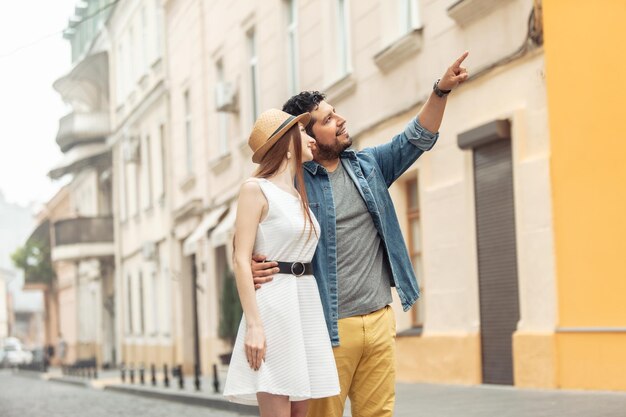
(303, 269)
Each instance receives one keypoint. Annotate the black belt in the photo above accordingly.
(295, 268)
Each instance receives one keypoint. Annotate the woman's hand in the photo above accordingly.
(255, 345)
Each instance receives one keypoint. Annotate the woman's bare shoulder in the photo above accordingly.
(251, 190)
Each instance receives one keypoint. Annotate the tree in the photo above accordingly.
(34, 258)
(230, 309)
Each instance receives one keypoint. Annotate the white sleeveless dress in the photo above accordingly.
(299, 361)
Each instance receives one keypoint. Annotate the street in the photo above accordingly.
(22, 396)
(28, 396)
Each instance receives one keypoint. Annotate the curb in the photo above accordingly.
(187, 398)
(79, 383)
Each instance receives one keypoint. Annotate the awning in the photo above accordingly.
(224, 231)
(79, 157)
(190, 245)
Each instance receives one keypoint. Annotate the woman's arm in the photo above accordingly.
(250, 208)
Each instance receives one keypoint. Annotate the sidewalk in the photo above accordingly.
(412, 400)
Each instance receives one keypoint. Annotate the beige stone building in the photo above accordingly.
(139, 121)
(377, 61)
(82, 243)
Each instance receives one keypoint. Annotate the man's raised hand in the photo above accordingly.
(455, 74)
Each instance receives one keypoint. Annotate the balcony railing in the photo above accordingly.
(83, 230)
(76, 128)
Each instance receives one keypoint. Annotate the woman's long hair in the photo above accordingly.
(273, 159)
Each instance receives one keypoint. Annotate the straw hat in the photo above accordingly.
(269, 127)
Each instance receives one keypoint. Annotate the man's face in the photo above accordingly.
(330, 132)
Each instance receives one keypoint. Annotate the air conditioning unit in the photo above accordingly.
(226, 97)
(149, 251)
(130, 149)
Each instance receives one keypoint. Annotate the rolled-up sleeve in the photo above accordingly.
(420, 136)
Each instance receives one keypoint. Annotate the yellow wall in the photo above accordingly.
(450, 358)
(585, 62)
(534, 360)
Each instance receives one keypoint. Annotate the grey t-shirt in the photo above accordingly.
(363, 273)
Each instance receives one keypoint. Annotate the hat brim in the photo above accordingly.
(258, 155)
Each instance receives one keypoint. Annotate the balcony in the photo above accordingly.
(80, 128)
(83, 238)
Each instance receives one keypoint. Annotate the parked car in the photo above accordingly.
(15, 354)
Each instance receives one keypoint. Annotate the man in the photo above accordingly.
(361, 252)
(61, 349)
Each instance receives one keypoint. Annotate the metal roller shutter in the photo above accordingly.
(497, 259)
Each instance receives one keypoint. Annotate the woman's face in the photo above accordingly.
(307, 143)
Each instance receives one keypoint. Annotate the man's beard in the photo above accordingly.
(330, 152)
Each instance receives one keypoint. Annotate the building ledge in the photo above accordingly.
(341, 88)
(188, 182)
(465, 12)
(399, 51)
(221, 163)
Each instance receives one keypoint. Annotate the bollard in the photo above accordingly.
(141, 375)
(216, 381)
(153, 371)
(181, 381)
(166, 378)
(196, 376)
(95, 372)
(132, 373)
(123, 371)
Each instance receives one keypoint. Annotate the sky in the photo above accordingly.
(30, 109)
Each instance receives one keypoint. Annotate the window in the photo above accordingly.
(159, 28)
(222, 116)
(122, 186)
(292, 45)
(166, 291)
(343, 45)
(130, 52)
(415, 245)
(142, 323)
(129, 63)
(148, 172)
(137, 185)
(161, 166)
(144, 40)
(188, 134)
(155, 302)
(129, 317)
(119, 82)
(254, 75)
(407, 16)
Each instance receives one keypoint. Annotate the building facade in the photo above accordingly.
(492, 216)
(140, 125)
(83, 245)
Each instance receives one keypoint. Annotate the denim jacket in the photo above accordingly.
(373, 170)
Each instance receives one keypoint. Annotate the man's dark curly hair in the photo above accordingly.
(304, 102)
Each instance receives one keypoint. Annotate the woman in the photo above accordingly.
(282, 356)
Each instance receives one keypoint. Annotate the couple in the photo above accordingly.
(321, 328)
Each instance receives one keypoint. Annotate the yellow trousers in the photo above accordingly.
(366, 363)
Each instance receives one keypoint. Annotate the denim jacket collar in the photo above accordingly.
(312, 166)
